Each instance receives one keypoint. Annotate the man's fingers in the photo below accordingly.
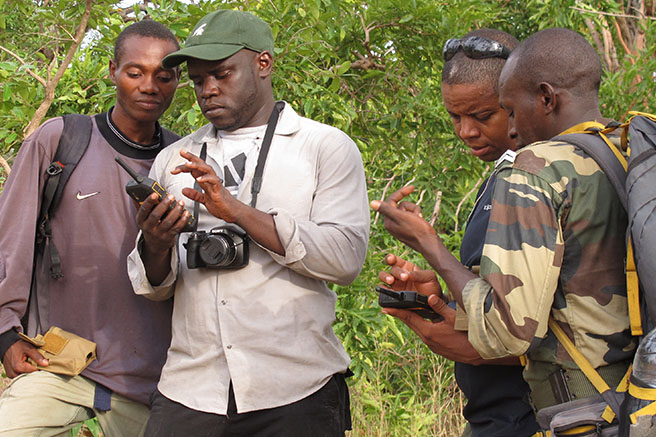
(391, 259)
(37, 357)
(414, 321)
(386, 208)
(411, 207)
(423, 276)
(190, 156)
(194, 195)
(22, 367)
(400, 194)
(400, 273)
(386, 278)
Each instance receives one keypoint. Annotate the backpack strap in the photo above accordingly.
(73, 142)
(591, 138)
(587, 369)
(606, 155)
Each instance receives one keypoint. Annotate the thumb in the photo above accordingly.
(375, 204)
(439, 305)
(37, 357)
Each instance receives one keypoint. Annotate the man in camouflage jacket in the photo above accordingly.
(555, 241)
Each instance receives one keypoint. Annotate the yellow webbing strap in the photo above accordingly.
(609, 415)
(542, 434)
(633, 292)
(523, 360)
(593, 127)
(585, 366)
(577, 430)
(632, 287)
(647, 394)
(583, 128)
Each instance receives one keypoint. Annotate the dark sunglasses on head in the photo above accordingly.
(475, 47)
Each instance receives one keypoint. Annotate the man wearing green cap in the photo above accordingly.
(253, 351)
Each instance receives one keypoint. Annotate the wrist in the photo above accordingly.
(7, 339)
(151, 251)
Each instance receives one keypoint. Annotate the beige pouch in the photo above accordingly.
(67, 353)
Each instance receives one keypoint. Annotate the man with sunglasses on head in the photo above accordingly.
(253, 350)
(496, 392)
(554, 252)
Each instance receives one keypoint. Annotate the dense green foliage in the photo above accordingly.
(373, 70)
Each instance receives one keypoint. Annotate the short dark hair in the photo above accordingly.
(145, 28)
(463, 70)
(561, 57)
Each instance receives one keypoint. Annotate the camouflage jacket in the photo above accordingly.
(554, 247)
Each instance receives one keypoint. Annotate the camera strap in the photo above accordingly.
(264, 151)
(256, 185)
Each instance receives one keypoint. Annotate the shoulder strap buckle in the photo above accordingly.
(55, 168)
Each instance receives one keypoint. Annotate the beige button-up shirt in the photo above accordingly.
(267, 326)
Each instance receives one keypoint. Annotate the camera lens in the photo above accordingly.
(217, 250)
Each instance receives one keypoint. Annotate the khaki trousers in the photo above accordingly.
(44, 404)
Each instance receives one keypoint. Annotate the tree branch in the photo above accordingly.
(5, 165)
(29, 71)
(382, 197)
(610, 14)
(436, 209)
(620, 37)
(52, 82)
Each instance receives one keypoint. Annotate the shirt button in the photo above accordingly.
(223, 302)
(229, 346)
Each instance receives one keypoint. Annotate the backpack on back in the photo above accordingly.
(634, 179)
(73, 142)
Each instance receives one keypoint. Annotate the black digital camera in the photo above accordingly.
(223, 247)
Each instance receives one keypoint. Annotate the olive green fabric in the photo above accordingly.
(578, 384)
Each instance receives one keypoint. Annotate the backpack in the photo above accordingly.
(634, 179)
(73, 142)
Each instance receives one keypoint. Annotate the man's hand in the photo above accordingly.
(216, 198)
(440, 337)
(259, 225)
(404, 275)
(160, 226)
(403, 220)
(15, 359)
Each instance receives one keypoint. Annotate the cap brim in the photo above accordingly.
(205, 52)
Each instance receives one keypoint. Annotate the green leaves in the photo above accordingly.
(371, 69)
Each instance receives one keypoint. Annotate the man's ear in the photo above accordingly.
(548, 98)
(264, 63)
(112, 71)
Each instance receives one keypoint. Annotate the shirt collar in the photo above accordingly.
(288, 124)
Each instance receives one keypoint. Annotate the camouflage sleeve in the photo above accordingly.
(508, 307)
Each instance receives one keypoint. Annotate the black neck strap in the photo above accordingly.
(256, 184)
(264, 151)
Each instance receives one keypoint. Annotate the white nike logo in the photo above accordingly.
(81, 196)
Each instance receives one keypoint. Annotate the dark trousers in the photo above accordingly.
(325, 413)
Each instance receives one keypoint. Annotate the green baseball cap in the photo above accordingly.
(221, 34)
